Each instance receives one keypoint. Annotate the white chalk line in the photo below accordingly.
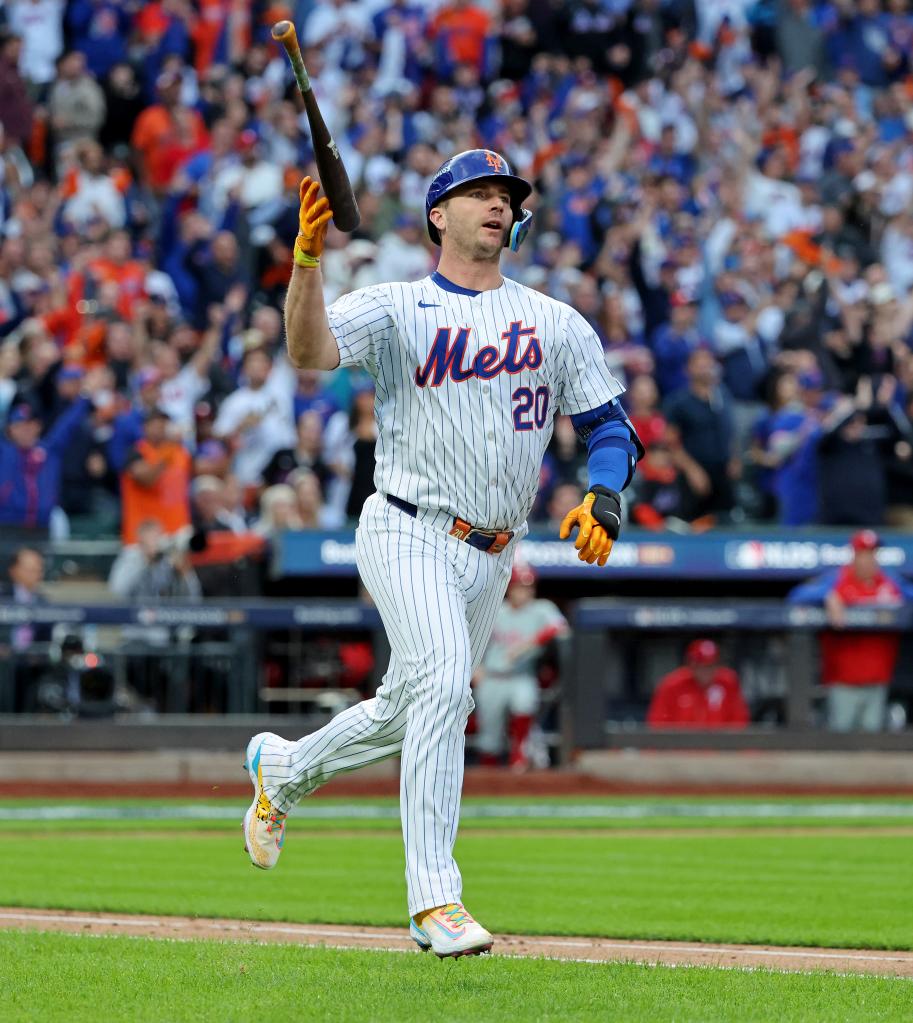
(480, 811)
(305, 931)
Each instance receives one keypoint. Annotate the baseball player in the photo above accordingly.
(506, 689)
(470, 369)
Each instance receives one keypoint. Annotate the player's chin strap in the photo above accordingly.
(520, 230)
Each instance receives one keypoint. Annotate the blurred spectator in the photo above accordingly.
(153, 566)
(852, 483)
(76, 102)
(256, 420)
(506, 687)
(348, 446)
(278, 511)
(312, 395)
(100, 29)
(39, 23)
(700, 694)
(673, 343)
(700, 430)
(460, 31)
(307, 454)
(155, 483)
(161, 129)
(785, 447)
(564, 497)
(14, 99)
(123, 102)
(309, 504)
(93, 194)
(856, 666)
(210, 512)
(402, 252)
(565, 461)
(31, 465)
(26, 575)
(89, 492)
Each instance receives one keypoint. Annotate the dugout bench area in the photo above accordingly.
(237, 665)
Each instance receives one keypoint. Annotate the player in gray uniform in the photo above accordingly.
(506, 687)
(470, 369)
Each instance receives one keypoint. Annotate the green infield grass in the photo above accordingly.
(849, 890)
(74, 978)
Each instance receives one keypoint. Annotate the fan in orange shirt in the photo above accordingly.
(156, 481)
(161, 128)
(462, 29)
(115, 265)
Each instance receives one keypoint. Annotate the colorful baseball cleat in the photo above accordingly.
(449, 931)
(264, 825)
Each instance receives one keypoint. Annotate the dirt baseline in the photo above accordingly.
(582, 949)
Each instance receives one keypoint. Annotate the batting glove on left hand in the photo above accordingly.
(599, 519)
(313, 217)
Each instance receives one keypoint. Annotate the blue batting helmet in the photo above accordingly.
(476, 165)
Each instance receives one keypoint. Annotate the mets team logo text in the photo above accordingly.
(448, 359)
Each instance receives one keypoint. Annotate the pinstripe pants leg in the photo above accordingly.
(437, 599)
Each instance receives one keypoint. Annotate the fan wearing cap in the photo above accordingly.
(674, 341)
(31, 466)
(700, 694)
(506, 687)
(856, 667)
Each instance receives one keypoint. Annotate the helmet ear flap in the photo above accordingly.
(520, 230)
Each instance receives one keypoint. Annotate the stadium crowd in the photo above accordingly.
(723, 188)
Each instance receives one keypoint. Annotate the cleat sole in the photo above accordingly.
(465, 952)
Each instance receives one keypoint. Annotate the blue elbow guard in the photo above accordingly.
(613, 445)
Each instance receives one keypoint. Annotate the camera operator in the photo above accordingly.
(157, 566)
(79, 684)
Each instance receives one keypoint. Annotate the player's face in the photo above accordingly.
(26, 433)
(519, 595)
(704, 674)
(477, 219)
(865, 564)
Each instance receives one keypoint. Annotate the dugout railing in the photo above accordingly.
(178, 643)
(617, 652)
(620, 649)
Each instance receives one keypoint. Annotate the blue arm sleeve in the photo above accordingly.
(612, 445)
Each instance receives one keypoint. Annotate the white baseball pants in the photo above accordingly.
(438, 598)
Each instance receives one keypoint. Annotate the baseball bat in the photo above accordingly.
(330, 168)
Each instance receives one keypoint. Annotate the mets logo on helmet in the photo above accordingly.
(493, 160)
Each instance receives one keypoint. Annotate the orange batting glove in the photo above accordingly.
(599, 519)
(313, 218)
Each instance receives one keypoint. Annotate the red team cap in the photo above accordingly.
(522, 575)
(702, 652)
(865, 540)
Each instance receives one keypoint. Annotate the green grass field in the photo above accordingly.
(131, 979)
(793, 872)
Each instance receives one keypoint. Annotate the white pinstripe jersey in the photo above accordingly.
(467, 389)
